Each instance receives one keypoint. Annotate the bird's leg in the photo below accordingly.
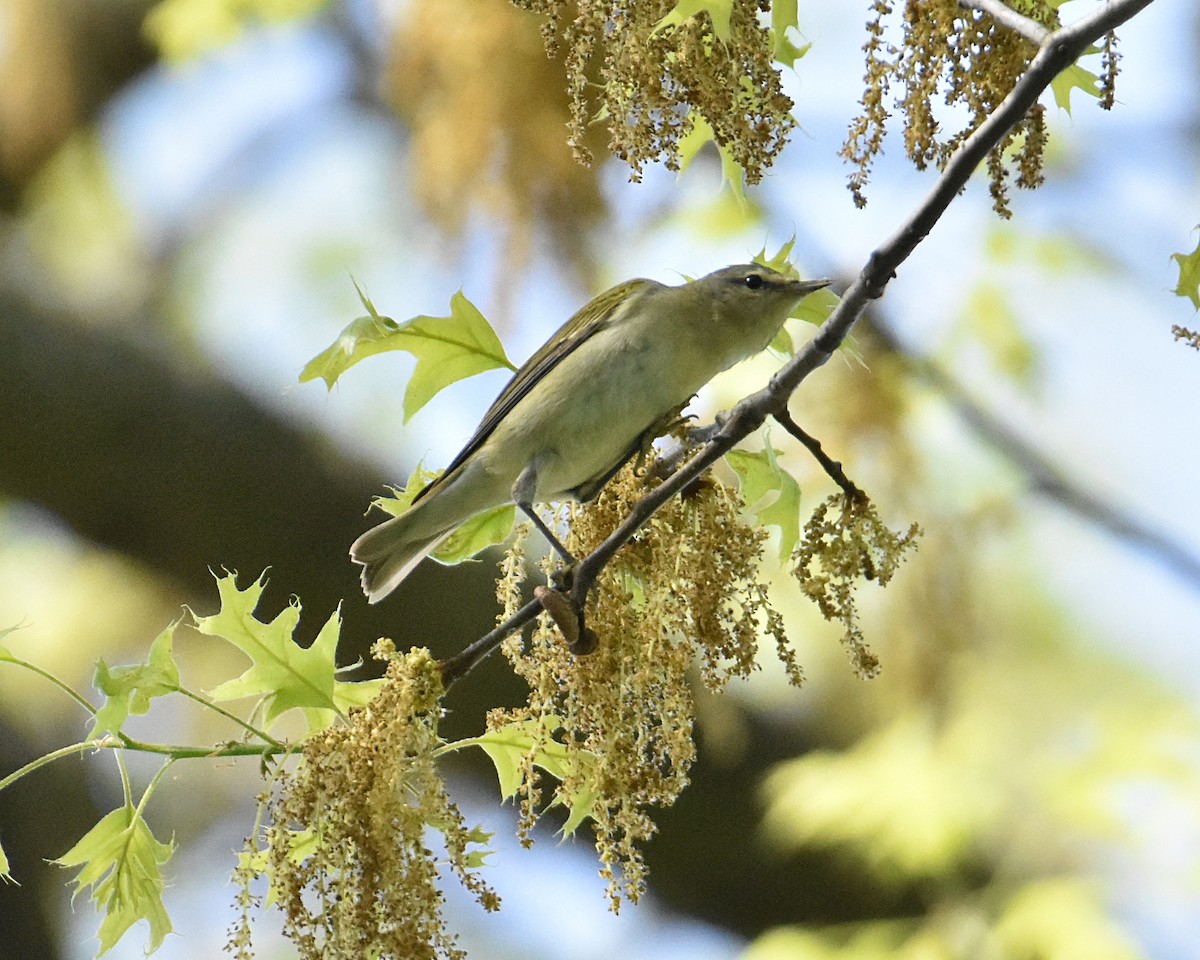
(522, 492)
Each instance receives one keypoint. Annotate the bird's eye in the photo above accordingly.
(753, 281)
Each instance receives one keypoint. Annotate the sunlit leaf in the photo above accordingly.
(5, 653)
(719, 11)
(690, 144)
(1189, 275)
(508, 747)
(5, 868)
(1074, 78)
(183, 29)
(784, 17)
(477, 533)
(906, 801)
(770, 493)
(781, 260)
(285, 674)
(472, 535)
(989, 320)
(447, 349)
(816, 308)
(782, 344)
(1064, 918)
(120, 859)
(129, 690)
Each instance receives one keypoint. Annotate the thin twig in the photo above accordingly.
(1008, 18)
(463, 662)
(831, 466)
(1058, 51)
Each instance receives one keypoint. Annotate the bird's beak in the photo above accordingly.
(805, 287)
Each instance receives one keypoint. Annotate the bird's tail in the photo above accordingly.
(390, 552)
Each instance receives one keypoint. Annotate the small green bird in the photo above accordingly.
(582, 404)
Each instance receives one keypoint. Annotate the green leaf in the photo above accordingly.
(781, 260)
(508, 747)
(348, 694)
(719, 12)
(1061, 917)
(129, 690)
(473, 535)
(989, 320)
(448, 349)
(698, 134)
(785, 16)
(5, 869)
(285, 674)
(770, 492)
(477, 533)
(782, 344)
(121, 861)
(1189, 275)
(816, 307)
(183, 29)
(1074, 78)
(302, 844)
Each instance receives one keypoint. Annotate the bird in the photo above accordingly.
(583, 403)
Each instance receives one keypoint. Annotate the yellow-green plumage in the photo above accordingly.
(578, 407)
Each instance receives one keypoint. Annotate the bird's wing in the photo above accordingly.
(589, 319)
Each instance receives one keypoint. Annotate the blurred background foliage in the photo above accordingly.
(186, 188)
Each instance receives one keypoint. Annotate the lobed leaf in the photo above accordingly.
(1074, 77)
(1189, 275)
(509, 745)
(473, 535)
(770, 492)
(286, 675)
(129, 690)
(700, 133)
(447, 349)
(785, 16)
(120, 859)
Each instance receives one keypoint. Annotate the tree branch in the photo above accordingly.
(1008, 18)
(1057, 52)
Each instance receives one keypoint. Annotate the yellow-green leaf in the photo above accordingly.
(698, 134)
(1189, 275)
(770, 493)
(183, 29)
(1062, 917)
(816, 307)
(448, 349)
(5, 868)
(785, 16)
(5, 653)
(509, 745)
(477, 533)
(120, 859)
(285, 674)
(781, 260)
(719, 12)
(1074, 78)
(129, 690)
(989, 320)
(782, 344)
(473, 535)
